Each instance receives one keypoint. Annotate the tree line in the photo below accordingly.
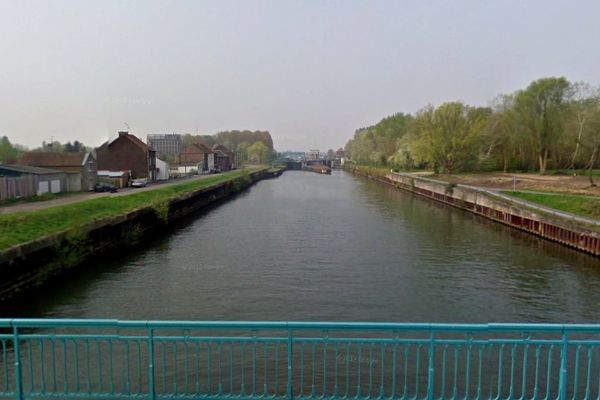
(551, 124)
(11, 153)
(255, 146)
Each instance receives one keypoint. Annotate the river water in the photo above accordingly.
(335, 248)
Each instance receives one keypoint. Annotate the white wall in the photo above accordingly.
(43, 187)
(163, 170)
(74, 182)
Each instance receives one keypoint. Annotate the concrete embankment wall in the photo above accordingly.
(31, 264)
(573, 232)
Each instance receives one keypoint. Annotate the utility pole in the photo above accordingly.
(50, 143)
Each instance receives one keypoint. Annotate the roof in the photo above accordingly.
(195, 148)
(133, 139)
(204, 148)
(54, 160)
(26, 169)
(223, 148)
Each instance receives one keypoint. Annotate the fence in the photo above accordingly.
(112, 359)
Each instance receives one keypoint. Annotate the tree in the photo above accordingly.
(8, 153)
(377, 144)
(541, 108)
(449, 135)
(582, 110)
(76, 147)
(259, 152)
(591, 140)
(232, 139)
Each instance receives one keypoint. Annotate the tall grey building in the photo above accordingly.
(165, 144)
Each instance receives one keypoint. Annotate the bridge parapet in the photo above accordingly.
(46, 358)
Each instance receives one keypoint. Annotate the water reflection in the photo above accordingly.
(314, 247)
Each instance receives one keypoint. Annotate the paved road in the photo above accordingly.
(77, 197)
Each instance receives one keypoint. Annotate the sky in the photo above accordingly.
(310, 72)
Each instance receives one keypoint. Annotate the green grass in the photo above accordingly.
(32, 199)
(25, 226)
(586, 206)
(364, 169)
(276, 168)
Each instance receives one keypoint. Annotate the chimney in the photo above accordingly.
(122, 133)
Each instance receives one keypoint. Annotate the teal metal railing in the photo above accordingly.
(110, 359)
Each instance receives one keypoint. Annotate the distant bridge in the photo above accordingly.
(112, 359)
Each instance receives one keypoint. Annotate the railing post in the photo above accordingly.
(562, 380)
(151, 389)
(18, 372)
(290, 393)
(430, 367)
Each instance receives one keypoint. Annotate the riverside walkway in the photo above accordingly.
(111, 359)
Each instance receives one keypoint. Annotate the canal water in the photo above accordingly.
(335, 248)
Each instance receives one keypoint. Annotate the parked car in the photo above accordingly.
(105, 187)
(139, 183)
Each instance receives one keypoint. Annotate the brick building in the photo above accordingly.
(224, 158)
(128, 153)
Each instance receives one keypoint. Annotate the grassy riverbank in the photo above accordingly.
(560, 192)
(586, 206)
(26, 226)
(366, 170)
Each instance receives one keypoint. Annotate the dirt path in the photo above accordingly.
(543, 183)
(75, 198)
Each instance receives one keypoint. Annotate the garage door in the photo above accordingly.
(55, 186)
(42, 188)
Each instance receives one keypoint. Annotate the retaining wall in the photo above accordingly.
(578, 233)
(33, 263)
(570, 231)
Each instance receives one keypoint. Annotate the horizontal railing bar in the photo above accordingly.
(115, 396)
(179, 338)
(332, 340)
(86, 395)
(297, 325)
(190, 396)
(118, 396)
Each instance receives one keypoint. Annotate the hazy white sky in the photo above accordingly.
(310, 72)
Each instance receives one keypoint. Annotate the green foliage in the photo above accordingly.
(587, 206)
(551, 124)
(131, 235)
(232, 139)
(161, 209)
(31, 199)
(259, 153)
(242, 181)
(8, 153)
(449, 136)
(377, 145)
(69, 252)
(541, 110)
(246, 145)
